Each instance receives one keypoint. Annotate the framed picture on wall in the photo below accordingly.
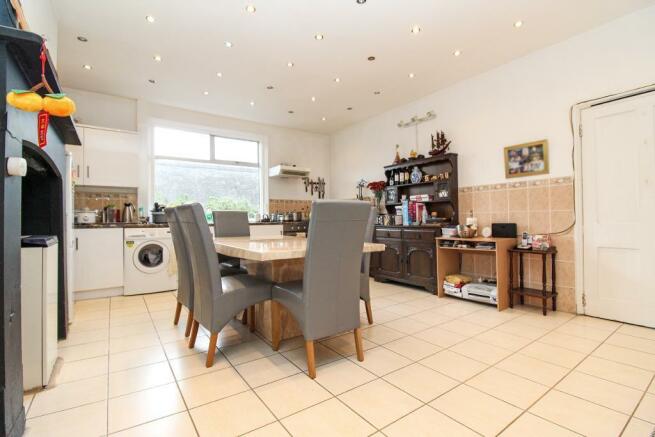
(529, 159)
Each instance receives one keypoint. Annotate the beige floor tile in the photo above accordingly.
(84, 351)
(606, 393)
(595, 323)
(637, 331)
(194, 365)
(531, 425)
(407, 325)
(340, 376)
(177, 425)
(579, 415)
(459, 308)
(129, 319)
(91, 315)
(291, 344)
(480, 351)
(583, 331)
(130, 330)
(211, 387)
(345, 344)
(511, 388)
(431, 317)
(651, 389)
(298, 391)
(378, 303)
(272, 430)
(266, 370)
(567, 341)
(440, 337)
(88, 325)
(426, 421)
(329, 418)
(631, 357)
(379, 402)
(139, 378)
(646, 409)
(533, 369)
(132, 342)
(424, 303)
(172, 334)
(454, 365)
(632, 342)
(489, 317)
(248, 351)
(638, 428)
(380, 334)
(27, 401)
(553, 354)
(413, 348)
(521, 329)
(322, 355)
(381, 361)
(136, 358)
(87, 420)
(180, 348)
(539, 321)
(144, 406)
(382, 316)
(612, 371)
(479, 411)
(421, 382)
(82, 369)
(464, 328)
(231, 416)
(403, 309)
(503, 339)
(77, 338)
(69, 395)
(407, 295)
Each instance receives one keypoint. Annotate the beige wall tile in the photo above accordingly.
(561, 197)
(499, 200)
(517, 199)
(538, 198)
(481, 202)
(565, 247)
(561, 220)
(539, 222)
(521, 219)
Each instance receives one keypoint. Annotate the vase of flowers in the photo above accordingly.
(377, 188)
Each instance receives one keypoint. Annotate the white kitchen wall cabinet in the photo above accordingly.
(111, 158)
(77, 168)
(98, 259)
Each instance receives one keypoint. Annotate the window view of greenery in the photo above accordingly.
(217, 186)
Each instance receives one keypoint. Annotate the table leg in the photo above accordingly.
(511, 279)
(544, 300)
(521, 276)
(553, 278)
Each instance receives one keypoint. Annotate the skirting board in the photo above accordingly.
(98, 294)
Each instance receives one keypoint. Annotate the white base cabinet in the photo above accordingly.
(98, 259)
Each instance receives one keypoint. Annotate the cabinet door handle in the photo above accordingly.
(77, 173)
(77, 246)
(88, 172)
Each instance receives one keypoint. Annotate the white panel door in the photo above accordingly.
(98, 259)
(618, 178)
(111, 159)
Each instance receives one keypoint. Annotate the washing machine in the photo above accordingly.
(149, 260)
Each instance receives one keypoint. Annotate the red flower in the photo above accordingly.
(376, 186)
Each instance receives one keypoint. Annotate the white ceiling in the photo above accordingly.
(189, 35)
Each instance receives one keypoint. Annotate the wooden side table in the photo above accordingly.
(523, 291)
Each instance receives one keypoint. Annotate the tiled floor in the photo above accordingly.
(432, 367)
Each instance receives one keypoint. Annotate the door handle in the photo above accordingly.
(77, 247)
(88, 171)
(77, 173)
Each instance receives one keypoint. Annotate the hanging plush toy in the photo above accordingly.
(56, 104)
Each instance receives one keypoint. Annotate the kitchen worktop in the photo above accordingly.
(119, 225)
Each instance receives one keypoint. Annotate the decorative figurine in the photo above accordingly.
(440, 144)
(412, 154)
(396, 160)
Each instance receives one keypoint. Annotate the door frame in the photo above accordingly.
(575, 117)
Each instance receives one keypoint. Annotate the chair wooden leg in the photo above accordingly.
(178, 311)
(369, 312)
(251, 318)
(212, 349)
(194, 334)
(311, 358)
(358, 344)
(275, 325)
(189, 322)
(244, 317)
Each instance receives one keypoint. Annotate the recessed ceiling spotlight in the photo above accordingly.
(518, 24)
(323, 119)
(252, 103)
(251, 8)
(205, 93)
(152, 81)
(87, 67)
(313, 98)
(290, 111)
(270, 87)
(157, 58)
(228, 44)
(290, 64)
(457, 53)
(318, 36)
(337, 79)
(82, 39)
(415, 29)
(411, 75)
(219, 74)
(371, 58)
(349, 108)
(377, 93)
(150, 19)
(360, 2)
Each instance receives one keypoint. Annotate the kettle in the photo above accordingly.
(129, 213)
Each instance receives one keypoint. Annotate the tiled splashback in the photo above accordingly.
(284, 205)
(99, 197)
(539, 206)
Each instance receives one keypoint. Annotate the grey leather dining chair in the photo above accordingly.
(326, 301)
(231, 224)
(364, 288)
(184, 275)
(216, 299)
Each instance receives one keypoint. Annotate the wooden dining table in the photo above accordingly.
(275, 259)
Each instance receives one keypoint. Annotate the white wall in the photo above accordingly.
(42, 20)
(525, 100)
(104, 110)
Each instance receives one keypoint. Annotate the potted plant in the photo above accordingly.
(377, 188)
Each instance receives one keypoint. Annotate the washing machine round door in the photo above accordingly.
(151, 257)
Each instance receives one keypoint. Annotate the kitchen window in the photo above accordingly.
(220, 173)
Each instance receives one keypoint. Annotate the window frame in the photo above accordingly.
(262, 155)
